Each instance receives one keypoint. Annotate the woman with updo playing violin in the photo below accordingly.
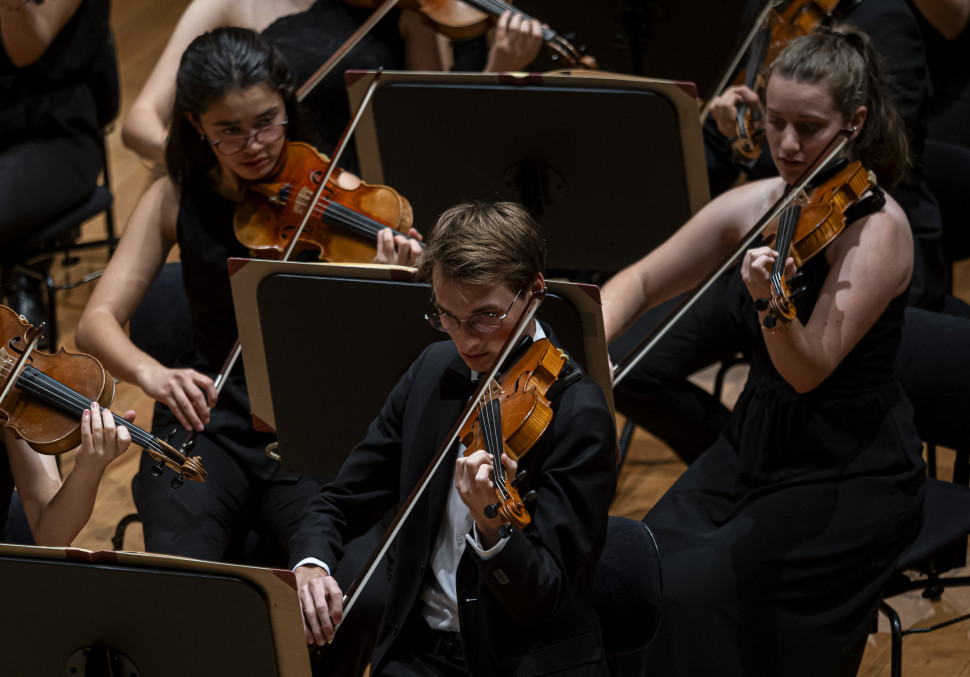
(234, 115)
(777, 542)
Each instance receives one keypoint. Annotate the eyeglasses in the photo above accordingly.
(236, 144)
(483, 322)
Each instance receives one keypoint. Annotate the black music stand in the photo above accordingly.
(320, 382)
(96, 614)
(610, 165)
(670, 39)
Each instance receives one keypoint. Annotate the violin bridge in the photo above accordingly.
(302, 201)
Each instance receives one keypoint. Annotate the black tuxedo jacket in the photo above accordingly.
(526, 611)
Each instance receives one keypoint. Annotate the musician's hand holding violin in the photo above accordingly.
(188, 393)
(517, 43)
(473, 479)
(395, 249)
(756, 271)
(101, 440)
(724, 108)
(322, 603)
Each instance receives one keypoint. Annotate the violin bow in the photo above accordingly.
(831, 151)
(722, 85)
(236, 351)
(341, 52)
(484, 384)
(31, 338)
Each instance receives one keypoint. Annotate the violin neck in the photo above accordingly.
(336, 215)
(497, 8)
(55, 394)
(786, 232)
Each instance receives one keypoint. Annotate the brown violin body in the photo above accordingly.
(525, 415)
(344, 222)
(43, 406)
(47, 430)
(820, 219)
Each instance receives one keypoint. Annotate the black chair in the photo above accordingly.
(32, 255)
(947, 168)
(627, 587)
(932, 365)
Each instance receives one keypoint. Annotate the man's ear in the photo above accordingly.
(539, 283)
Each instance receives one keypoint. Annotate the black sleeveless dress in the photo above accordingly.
(777, 542)
(309, 38)
(244, 487)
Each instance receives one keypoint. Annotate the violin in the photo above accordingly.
(807, 227)
(343, 223)
(44, 395)
(511, 418)
(800, 17)
(462, 20)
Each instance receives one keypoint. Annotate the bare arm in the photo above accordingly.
(57, 512)
(871, 263)
(949, 17)
(682, 262)
(148, 237)
(145, 129)
(27, 30)
(420, 43)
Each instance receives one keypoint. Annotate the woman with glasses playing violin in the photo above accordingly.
(464, 599)
(777, 542)
(234, 111)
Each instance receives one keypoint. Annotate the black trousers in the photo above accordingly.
(40, 179)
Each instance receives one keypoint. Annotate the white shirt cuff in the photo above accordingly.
(484, 554)
(313, 561)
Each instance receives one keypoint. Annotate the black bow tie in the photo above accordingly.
(456, 385)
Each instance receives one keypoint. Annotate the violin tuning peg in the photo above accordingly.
(171, 435)
(761, 304)
(177, 481)
(770, 321)
(529, 497)
(519, 476)
(157, 470)
(505, 531)
(799, 290)
(491, 511)
(188, 446)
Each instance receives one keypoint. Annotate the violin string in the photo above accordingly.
(56, 393)
(497, 7)
(348, 218)
(786, 228)
(494, 440)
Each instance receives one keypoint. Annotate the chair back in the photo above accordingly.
(627, 588)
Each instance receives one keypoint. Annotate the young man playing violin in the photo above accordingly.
(465, 597)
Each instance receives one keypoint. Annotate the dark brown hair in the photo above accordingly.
(485, 243)
(843, 60)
